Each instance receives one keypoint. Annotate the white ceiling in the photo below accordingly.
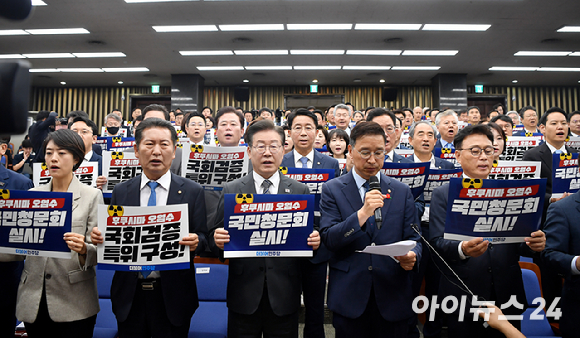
(516, 25)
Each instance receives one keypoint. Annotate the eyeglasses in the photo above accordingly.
(574, 121)
(83, 132)
(390, 130)
(309, 128)
(365, 154)
(274, 148)
(341, 115)
(476, 151)
(199, 124)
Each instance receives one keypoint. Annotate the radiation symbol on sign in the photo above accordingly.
(115, 210)
(495, 163)
(116, 139)
(43, 166)
(117, 155)
(564, 156)
(472, 183)
(197, 148)
(284, 170)
(180, 145)
(529, 134)
(244, 198)
(5, 194)
(446, 151)
(567, 138)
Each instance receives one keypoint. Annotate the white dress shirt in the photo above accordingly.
(360, 181)
(553, 149)
(88, 156)
(275, 179)
(297, 157)
(162, 191)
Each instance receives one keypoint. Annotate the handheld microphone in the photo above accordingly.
(375, 185)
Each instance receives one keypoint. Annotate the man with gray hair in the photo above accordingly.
(417, 114)
(342, 115)
(113, 122)
(447, 125)
(515, 117)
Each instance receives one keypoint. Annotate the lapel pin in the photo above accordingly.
(389, 191)
(287, 191)
(179, 192)
(388, 196)
(318, 163)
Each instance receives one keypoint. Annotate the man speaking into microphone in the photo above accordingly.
(370, 295)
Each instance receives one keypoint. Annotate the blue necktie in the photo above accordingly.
(386, 159)
(449, 146)
(304, 161)
(152, 202)
(153, 197)
(558, 151)
(370, 220)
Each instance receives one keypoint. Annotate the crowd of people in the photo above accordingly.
(369, 295)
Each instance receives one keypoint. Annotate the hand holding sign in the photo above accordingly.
(221, 237)
(192, 241)
(75, 242)
(537, 242)
(475, 247)
(314, 240)
(96, 237)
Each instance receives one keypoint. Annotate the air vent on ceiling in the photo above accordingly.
(394, 40)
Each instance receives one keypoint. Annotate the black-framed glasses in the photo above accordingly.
(365, 154)
(476, 151)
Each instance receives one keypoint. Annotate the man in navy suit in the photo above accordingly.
(10, 271)
(88, 131)
(529, 116)
(263, 292)
(162, 303)
(302, 131)
(370, 295)
(422, 138)
(386, 119)
(490, 271)
(447, 125)
(562, 251)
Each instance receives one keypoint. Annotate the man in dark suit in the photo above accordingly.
(422, 138)
(10, 271)
(386, 119)
(370, 295)
(490, 271)
(562, 251)
(302, 125)
(529, 116)
(263, 295)
(447, 124)
(162, 303)
(88, 131)
(554, 126)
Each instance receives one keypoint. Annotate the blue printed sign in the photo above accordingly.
(447, 154)
(34, 222)
(268, 225)
(438, 177)
(565, 174)
(143, 238)
(119, 143)
(501, 212)
(412, 174)
(313, 178)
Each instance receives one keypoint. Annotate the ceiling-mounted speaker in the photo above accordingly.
(242, 94)
(390, 94)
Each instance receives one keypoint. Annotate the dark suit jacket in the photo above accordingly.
(320, 162)
(12, 180)
(439, 163)
(97, 158)
(247, 276)
(353, 274)
(496, 272)
(178, 286)
(562, 244)
(543, 154)
(523, 132)
(400, 159)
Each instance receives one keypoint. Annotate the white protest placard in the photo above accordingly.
(143, 238)
(87, 173)
(516, 146)
(515, 170)
(118, 167)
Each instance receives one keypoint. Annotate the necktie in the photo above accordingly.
(152, 202)
(558, 151)
(449, 146)
(370, 220)
(386, 160)
(153, 197)
(266, 187)
(304, 161)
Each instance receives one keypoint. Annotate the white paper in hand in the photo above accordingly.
(394, 249)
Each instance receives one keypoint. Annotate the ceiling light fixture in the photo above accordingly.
(43, 70)
(366, 67)
(569, 29)
(430, 52)
(544, 53)
(144, 1)
(246, 80)
(319, 26)
(372, 52)
(415, 68)
(38, 3)
(221, 68)
(13, 32)
(252, 27)
(120, 82)
(456, 27)
(514, 81)
(185, 28)
(268, 67)
(558, 69)
(205, 52)
(316, 67)
(126, 69)
(514, 69)
(48, 56)
(317, 52)
(57, 31)
(387, 27)
(316, 81)
(100, 55)
(382, 80)
(62, 83)
(11, 56)
(80, 70)
(262, 52)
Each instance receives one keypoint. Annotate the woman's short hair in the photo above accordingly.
(70, 141)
